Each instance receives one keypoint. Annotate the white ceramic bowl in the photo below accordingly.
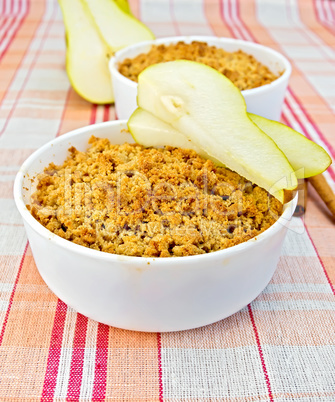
(144, 294)
(265, 101)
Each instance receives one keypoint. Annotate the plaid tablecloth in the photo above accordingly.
(281, 346)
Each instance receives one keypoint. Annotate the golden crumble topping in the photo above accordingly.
(169, 202)
(241, 68)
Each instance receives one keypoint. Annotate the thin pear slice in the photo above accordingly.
(118, 28)
(306, 157)
(149, 131)
(124, 5)
(209, 110)
(86, 54)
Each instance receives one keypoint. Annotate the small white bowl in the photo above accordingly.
(144, 294)
(265, 101)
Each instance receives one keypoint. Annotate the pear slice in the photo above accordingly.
(149, 131)
(118, 28)
(86, 54)
(306, 157)
(124, 5)
(208, 109)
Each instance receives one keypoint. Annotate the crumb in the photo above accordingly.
(136, 201)
(241, 68)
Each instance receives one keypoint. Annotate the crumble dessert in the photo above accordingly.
(136, 201)
(241, 68)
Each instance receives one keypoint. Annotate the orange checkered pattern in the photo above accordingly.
(279, 348)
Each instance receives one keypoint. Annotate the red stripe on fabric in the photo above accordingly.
(23, 57)
(332, 9)
(321, 262)
(305, 131)
(326, 24)
(93, 113)
(77, 362)
(64, 110)
(223, 17)
(267, 380)
(19, 93)
(174, 22)
(23, 17)
(3, 24)
(12, 20)
(55, 348)
(11, 7)
(249, 35)
(101, 359)
(287, 122)
(319, 133)
(10, 302)
(160, 372)
(106, 113)
(311, 122)
(260, 351)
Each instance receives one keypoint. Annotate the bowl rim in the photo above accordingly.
(171, 39)
(100, 255)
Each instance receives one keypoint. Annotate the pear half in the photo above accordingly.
(207, 108)
(306, 157)
(117, 27)
(86, 54)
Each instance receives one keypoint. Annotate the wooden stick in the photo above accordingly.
(324, 190)
(302, 198)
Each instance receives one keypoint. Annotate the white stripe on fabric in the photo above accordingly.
(227, 17)
(12, 168)
(6, 287)
(297, 287)
(293, 305)
(310, 47)
(272, 14)
(8, 211)
(64, 366)
(41, 106)
(33, 102)
(51, 79)
(237, 21)
(29, 132)
(155, 11)
(4, 29)
(299, 25)
(157, 16)
(209, 373)
(301, 369)
(13, 240)
(324, 86)
(315, 397)
(190, 17)
(298, 245)
(3, 306)
(87, 383)
(6, 178)
(10, 32)
(15, 7)
(99, 117)
(306, 124)
(17, 82)
(36, 131)
(323, 13)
